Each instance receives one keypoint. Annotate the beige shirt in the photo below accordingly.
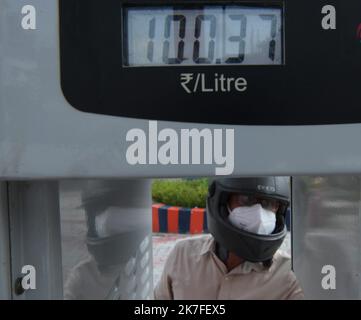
(193, 271)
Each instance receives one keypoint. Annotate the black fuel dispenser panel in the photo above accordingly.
(291, 62)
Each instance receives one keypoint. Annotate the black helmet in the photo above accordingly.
(250, 246)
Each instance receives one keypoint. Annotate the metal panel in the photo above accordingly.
(326, 231)
(35, 236)
(5, 278)
(106, 239)
(42, 136)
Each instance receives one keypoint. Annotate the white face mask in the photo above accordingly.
(253, 219)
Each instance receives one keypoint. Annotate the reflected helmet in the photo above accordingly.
(247, 245)
(118, 221)
(116, 234)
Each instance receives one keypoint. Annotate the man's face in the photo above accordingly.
(236, 200)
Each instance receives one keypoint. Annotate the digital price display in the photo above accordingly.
(237, 62)
(202, 35)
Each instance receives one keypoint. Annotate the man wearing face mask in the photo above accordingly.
(240, 259)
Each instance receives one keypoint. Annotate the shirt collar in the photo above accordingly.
(208, 246)
(247, 267)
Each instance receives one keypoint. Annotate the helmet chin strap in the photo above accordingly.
(222, 253)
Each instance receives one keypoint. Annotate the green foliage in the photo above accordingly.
(181, 192)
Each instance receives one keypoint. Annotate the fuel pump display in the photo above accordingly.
(202, 35)
(292, 69)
